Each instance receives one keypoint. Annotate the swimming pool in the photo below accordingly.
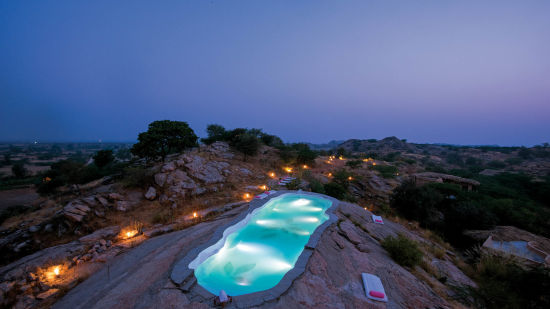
(518, 248)
(254, 254)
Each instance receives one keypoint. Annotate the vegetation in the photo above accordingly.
(19, 170)
(402, 250)
(164, 137)
(103, 157)
(246, 141)
(298, 153)
(335, 190)
(504, 284)
(386, 171)
(505, 199)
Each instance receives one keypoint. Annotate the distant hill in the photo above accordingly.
(327, 146)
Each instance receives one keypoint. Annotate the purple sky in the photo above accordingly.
(466, 72)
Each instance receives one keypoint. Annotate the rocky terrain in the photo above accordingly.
(107, 242)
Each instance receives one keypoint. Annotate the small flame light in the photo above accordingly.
(246, 196)
(350, 178)
(56, 270)
(195, 214)
(329, 174)
(288, 169)
(272, 175)
(305, 166)
(373, 163)
(130, 234)
(341, 158)
(263, 187)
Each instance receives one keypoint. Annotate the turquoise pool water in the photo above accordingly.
(257, 252)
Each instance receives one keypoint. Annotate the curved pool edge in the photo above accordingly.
(184, 277)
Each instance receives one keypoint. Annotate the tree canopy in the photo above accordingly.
(164, 137)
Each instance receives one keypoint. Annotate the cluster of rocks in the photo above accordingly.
(22, 283)
(77, 210)
(191, 174)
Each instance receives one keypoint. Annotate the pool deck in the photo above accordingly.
(184, 278)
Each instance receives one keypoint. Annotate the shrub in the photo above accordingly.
(335, 190)
(402, 250)
(386, 171)
(316, 186)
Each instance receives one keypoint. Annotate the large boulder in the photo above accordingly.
(151, 194)
(160, 179)
(169, 167)
(75, 211)
(208, 172)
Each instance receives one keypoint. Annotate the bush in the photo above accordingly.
(316, 186)
(386, 171)
(335, 190)
(403, 250)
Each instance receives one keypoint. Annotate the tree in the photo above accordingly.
(164, 137)
(246, 143)
(19, 170)
(215, 133)
(103, 157)
(304, 154)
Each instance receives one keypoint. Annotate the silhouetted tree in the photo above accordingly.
(103, 158)
(164, 137)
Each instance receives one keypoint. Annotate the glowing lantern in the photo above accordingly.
(56, 270)
(272, 174)
(131, 233)
(373, 163)
(195, 214)
(263, 187)
(329, 174)
(350, 178)
(341, 157)
(305, 166)
(288, 169)
(246, 196)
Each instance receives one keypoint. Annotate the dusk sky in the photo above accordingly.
(462, 72)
